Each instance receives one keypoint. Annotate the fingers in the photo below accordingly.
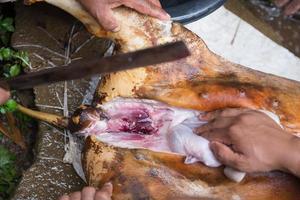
(4, 95)
(292, 7)
(102, 10)
(64, 197)
(217, 135)
(88, 193)
(156, 2)
(105, 193)
(281, 3)
(106, 18)
(231, 112)
(216, 130)
(148, 8)
(218, 123)
(75, 196)
(226, 156)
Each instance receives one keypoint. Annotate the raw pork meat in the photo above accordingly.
(148, 124)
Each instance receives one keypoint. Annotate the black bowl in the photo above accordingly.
(186, 11)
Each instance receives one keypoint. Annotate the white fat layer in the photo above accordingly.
(175, 136)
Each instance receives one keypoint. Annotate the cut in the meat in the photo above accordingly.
(148, 124)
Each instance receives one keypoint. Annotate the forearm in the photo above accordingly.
(291, 160)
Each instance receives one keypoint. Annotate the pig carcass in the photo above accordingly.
(202, 82)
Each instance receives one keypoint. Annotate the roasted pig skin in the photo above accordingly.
(204, 82)
(143, 174)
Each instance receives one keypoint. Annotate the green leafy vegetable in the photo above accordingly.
(6, 24)
(6, 54)
(13, 61)
(9, 106)
(8, 174)
(6, 28)
(23, 57)
(14, 70)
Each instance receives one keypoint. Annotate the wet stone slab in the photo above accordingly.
(53, 38)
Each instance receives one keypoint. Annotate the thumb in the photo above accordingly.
(108, 187)
(4, 95)
(280, 3)
(225, 155)
(148, 8)
(106, 18)
(292, 8)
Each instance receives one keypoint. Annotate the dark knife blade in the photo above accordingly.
(88, 67)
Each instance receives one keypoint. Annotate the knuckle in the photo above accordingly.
(255, 114)
(88, 189)
(209, 126)
(234, 130)
(200, 130)
(222, 157)
(240, 164)
(243, 165)
(64, 197)
(75, 195)
(224, 113)
(219, 155)
(205, 135)
(213, 123)
(125, 1)
(206, 116)
(102, 195)
(244, 118)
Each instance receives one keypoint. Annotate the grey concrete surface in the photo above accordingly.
(52, 38)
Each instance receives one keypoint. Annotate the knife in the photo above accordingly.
(92, 66)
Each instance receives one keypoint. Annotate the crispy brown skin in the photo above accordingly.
(207, 82)
(203, 81)
(142, 174)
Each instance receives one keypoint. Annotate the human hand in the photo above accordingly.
(90, 193)
(4, 95)
(291, 6)
(247, 140)
(102, 10)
